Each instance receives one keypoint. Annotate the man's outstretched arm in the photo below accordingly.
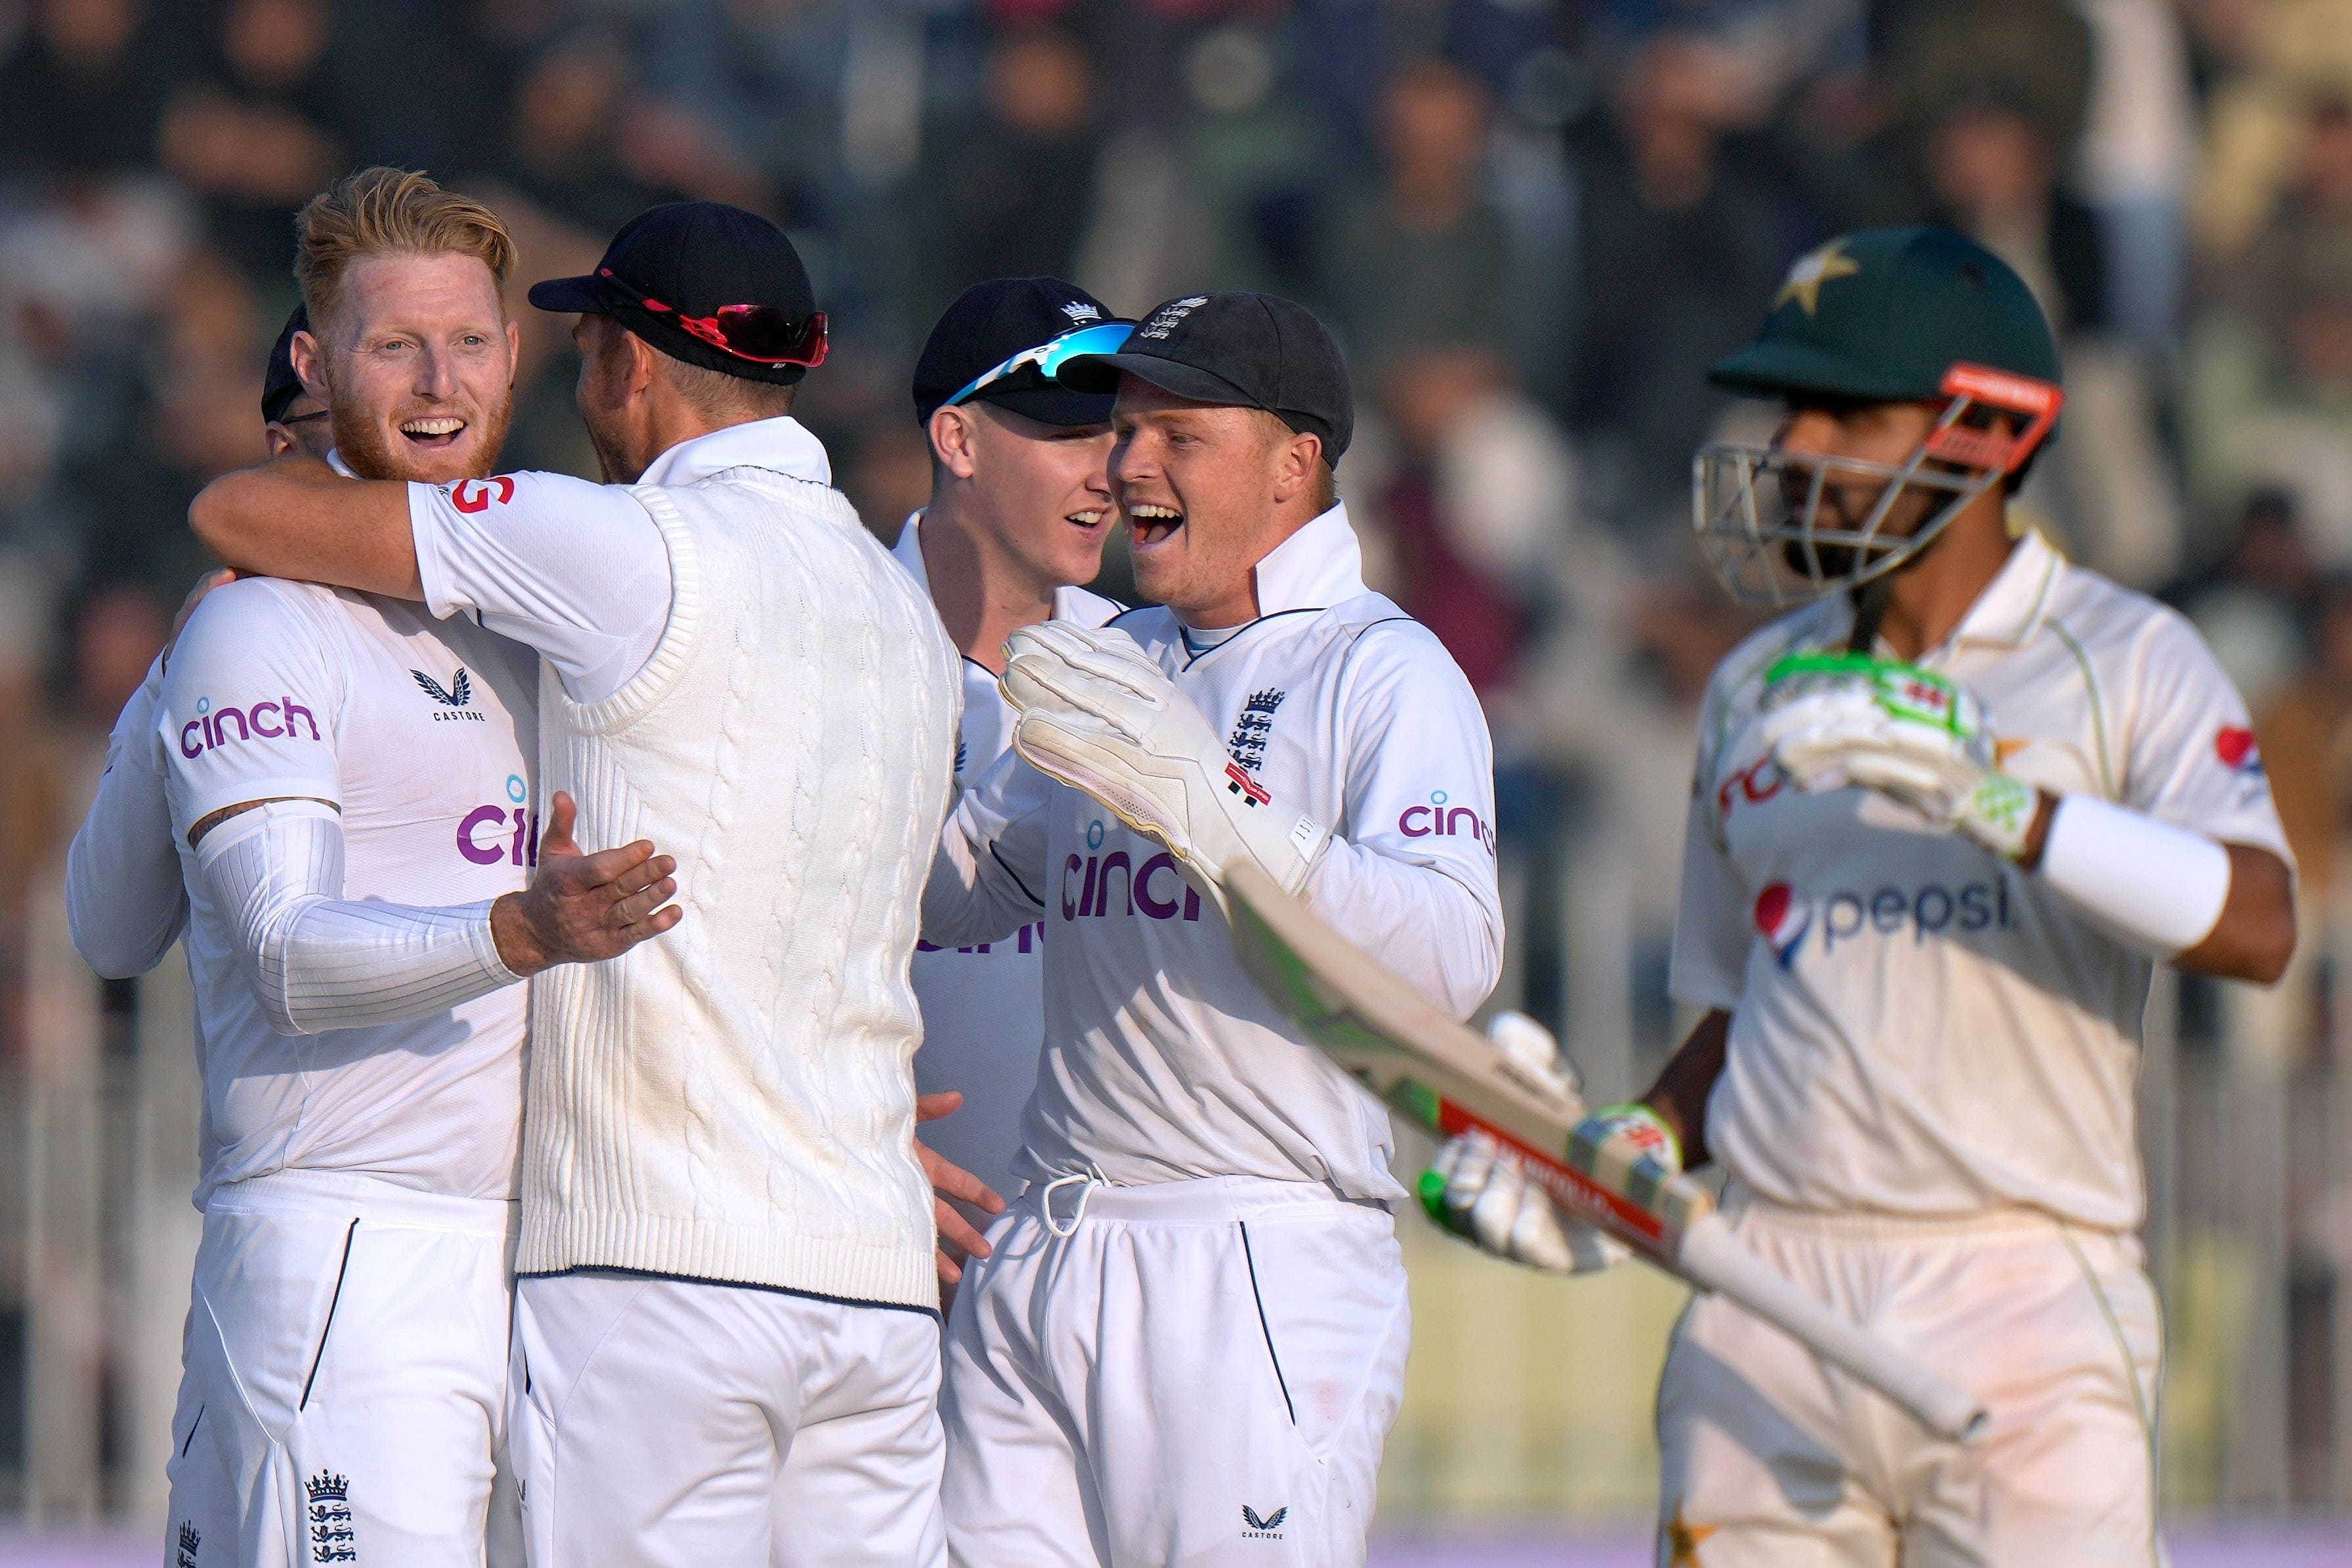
(296, 517)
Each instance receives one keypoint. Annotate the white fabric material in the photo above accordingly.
(1919, 1028)
(984, 1005)
(1089, 1425)
(578, 570)
(677, 1424)
(2155, 886)
(125, 903)
(317, 961)
(1163, 1060)
(1099, 715)
(734, 1100)
(344, 1391)
(424, 734)
(1767, 1459)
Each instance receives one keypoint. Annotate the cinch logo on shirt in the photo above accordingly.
(1140, 888)
(1785, 916)
(1440, 820)
(482, 836)
(1761, 781)
(2235, 747)
(1029, 939)
(209, 730)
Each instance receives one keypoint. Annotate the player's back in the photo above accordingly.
(733, 1102)
(424, 735)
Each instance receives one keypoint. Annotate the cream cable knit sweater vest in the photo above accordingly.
(734, 1100)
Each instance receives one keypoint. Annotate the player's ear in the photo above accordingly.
(309, 358)
(1298, 458)
(951, 433)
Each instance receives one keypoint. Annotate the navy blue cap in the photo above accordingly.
(280, 385)
(1250, 351)
(988, 324)
(696, 257)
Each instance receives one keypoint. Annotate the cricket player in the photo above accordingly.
(1188, 1343)
(726, 1335)
(342, 788)
(1947, 818)
(1018, 511)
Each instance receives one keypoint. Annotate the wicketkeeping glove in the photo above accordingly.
(1834, 719)
(1099, 715)
(1479, 1191)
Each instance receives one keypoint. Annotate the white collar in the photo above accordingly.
(1320, 565)
(2009, 609)
(335, 461)
(783, 444)
(910, 551)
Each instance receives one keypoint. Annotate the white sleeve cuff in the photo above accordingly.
(2155, 886)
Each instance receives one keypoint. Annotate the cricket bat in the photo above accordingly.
(1447, 1079)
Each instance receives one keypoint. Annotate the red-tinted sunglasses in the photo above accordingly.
(759, 333)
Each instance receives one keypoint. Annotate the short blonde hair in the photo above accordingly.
(389, 212)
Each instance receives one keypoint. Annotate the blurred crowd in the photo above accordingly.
(1533, 223)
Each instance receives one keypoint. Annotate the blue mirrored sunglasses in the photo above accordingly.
(1106, 338)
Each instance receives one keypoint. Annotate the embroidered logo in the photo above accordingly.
(455, 696)
(1080, 312)
(1165, 319)
(190, 1539)
(332, 1538)
(1251, 730)
(1267, 1529)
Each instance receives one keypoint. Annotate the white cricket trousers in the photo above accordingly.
(689, 1424)
(1768, 1458)
(1197, 1373)
(344, 1391)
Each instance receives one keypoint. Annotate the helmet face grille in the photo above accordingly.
(1784, 527)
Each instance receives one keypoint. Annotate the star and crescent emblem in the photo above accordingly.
(1814, 268)
(1683, 1540)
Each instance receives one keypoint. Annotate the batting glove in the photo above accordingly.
(1478, 1190)
(1099, 715)
(1834, 719)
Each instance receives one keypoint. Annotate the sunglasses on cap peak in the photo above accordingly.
(1108, 338)
(759, 334)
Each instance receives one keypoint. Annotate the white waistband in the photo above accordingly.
(1204, 1200)
(367, 1197)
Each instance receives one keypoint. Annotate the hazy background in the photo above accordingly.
(1533, 223)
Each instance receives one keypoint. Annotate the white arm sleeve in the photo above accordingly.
(988, 879)
(125, 903)
(319, 961)
(2147, 883)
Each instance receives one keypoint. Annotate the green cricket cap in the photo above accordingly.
(1884, 314)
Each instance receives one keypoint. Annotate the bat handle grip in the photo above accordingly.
(1713, 1259)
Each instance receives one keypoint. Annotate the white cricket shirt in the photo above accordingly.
(984, 1005)
(424, 734)
(1163, 1060)
(1917, 1028)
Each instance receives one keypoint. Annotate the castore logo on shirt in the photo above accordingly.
(475, 495)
